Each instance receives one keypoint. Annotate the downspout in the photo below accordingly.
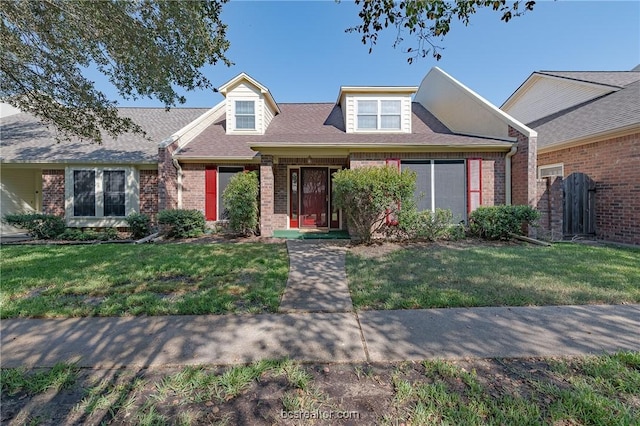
(507, 172)
(176, 164)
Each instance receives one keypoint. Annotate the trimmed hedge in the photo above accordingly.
(426, 225)
(37, 225)
(182, 223)
(139, 225)
(240, 198)
(495, 223)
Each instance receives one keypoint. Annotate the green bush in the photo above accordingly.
(139, 225)
(368, 196)
(426, 225)
(37, 225)
(240, 198)
(182, 223)
(497, 222)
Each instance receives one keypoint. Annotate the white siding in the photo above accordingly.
(247, 92)
(20, 193)
(458, 108)
(547, 96)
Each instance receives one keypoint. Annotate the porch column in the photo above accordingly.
(266, 196)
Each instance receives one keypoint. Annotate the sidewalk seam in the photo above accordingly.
(362, 338)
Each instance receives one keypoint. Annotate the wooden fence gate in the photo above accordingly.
(579, 205)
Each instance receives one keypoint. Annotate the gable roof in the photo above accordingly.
(321, 125)
(229, 85)
(612, 112)
(24, 139)
(617, 79)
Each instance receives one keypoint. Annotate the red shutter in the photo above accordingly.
(474, 183)
(211, 193)
(392, 219)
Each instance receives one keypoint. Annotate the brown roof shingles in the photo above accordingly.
(322, 123)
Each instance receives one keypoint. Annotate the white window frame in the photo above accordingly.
(551, 166)
(378, 114)
(131, 200)
(236, 115)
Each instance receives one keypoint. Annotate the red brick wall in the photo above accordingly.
(614, 164)
(549, 204)
(53, 192)
(167, 178)
(493, 177)
(266, 196)
(193, 190)
(523, 170)
(149, 192)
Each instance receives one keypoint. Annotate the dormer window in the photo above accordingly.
(245, 115)
(379, 114)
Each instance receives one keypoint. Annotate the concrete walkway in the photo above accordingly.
(374, 336)
(319, 325)
(317, 279)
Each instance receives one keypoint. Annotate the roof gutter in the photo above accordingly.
(507, 173)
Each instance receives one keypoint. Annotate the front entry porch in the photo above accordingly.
(310, 201)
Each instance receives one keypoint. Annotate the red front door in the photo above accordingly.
(314, 200)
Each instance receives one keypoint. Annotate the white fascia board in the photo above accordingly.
(485, 104)
(194, 128)
(381, 90)
(224, 89)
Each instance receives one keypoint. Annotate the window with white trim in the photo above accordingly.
(551, 170)
(245, 115)
(379, 114)
(98, 193)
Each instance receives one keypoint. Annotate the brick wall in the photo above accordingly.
(167, 178)
(523, 170)
(149, 193)
(53, 192)
(549, 203)
(493, 172)
(193, 189)
(266, 196)
(614, 164)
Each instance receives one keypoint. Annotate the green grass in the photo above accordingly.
(439, 277)
(115, 280)
(15, 380)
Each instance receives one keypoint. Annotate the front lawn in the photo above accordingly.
(477, 274)
(114, 280)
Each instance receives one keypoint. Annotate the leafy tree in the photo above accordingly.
(426, 20)
(146, 48)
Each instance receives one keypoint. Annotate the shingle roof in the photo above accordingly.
(613, 111)
(23, 138)
(322, 123)
(609, 78)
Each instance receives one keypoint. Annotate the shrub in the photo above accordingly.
(369, 196)
(497, 222)
(240, 198)
(37, 225)
(182, 223)
(139, 225)
(424, 225)
(77, 234)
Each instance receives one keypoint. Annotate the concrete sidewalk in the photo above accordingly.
(317, 279)
(375, 336)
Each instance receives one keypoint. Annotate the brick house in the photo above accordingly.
(465, 151)
(587, 122)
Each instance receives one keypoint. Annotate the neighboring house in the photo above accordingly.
(465, 151)
(589, 122)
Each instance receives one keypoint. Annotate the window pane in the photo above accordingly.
(390, 122)
(367, 122)
(114, 196)
(390, 107)
(450, 188)
(246, 122)
(84, 193)
(245, 107)
(367, 107)
(422, 194)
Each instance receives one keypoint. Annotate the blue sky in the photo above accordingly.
(300, 51)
